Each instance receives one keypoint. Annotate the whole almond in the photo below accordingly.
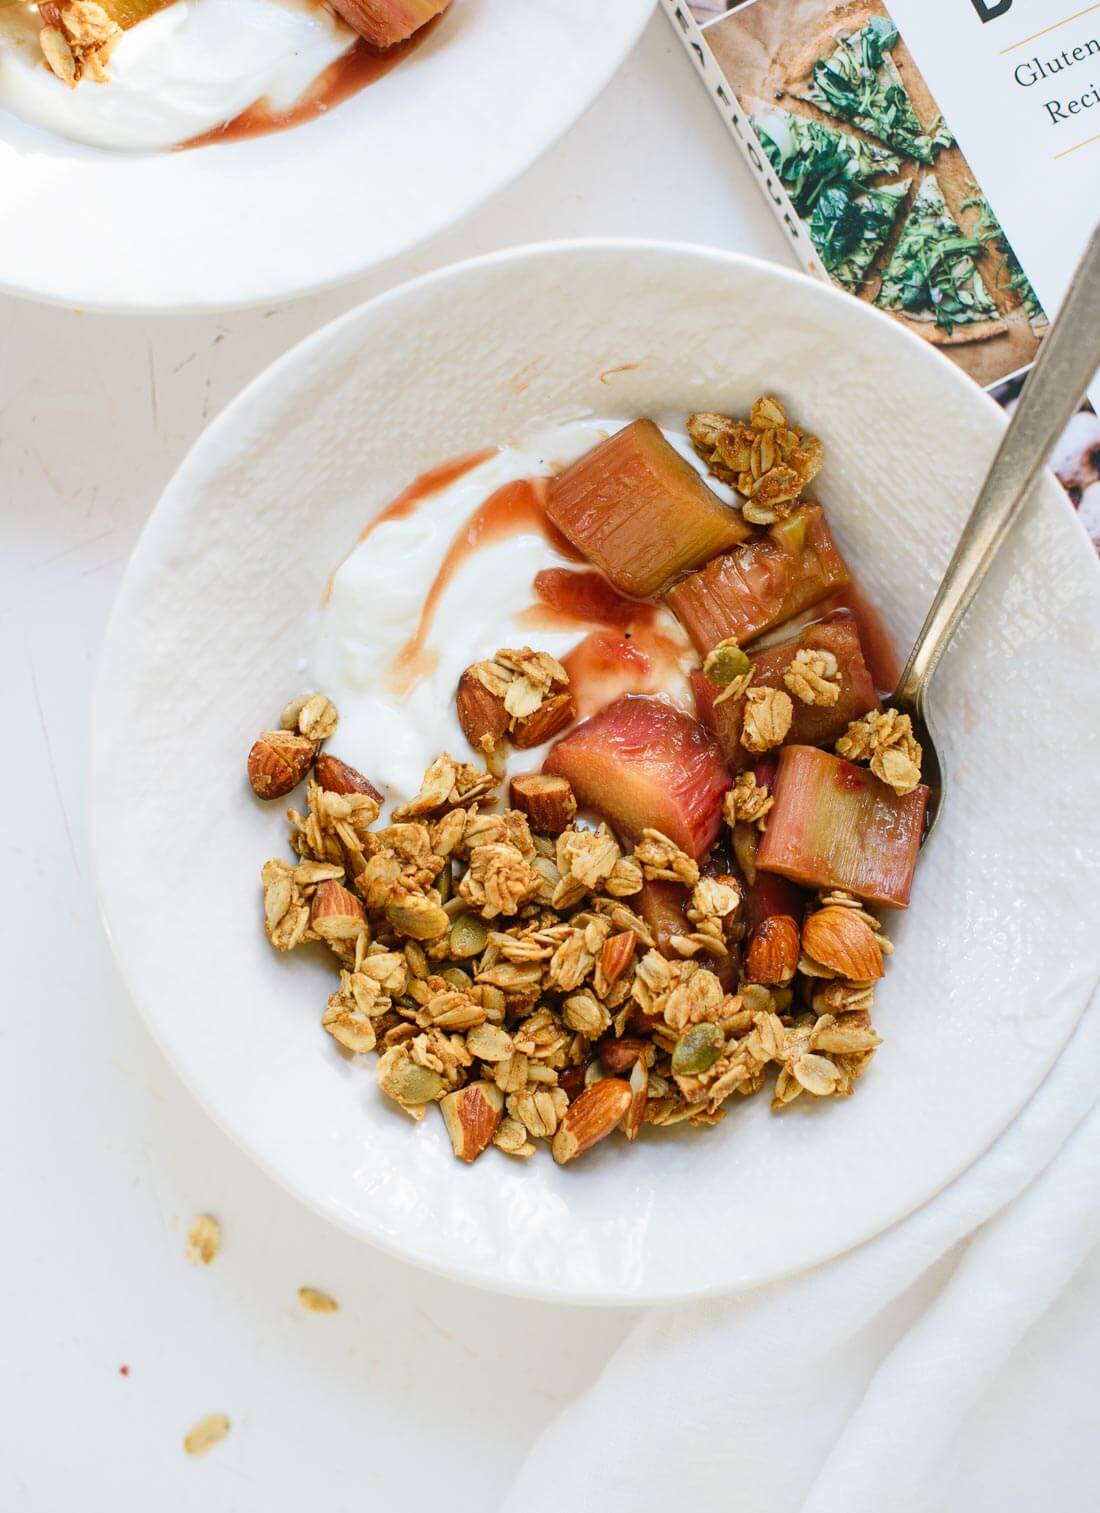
(773, 952)
(278, 762)
(591, 1118)
(481, 714)
(841, 940)
(472, 1115)
(336, 914)
(548, 720)
(336, 776)
(546, 800)
(620, 1055)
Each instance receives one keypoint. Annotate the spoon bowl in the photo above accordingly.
(1066, 366)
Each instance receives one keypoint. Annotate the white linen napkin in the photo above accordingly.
(951, 1363)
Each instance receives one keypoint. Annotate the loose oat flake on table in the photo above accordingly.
(676, 909)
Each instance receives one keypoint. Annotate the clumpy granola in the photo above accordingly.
(768, 460)
(77, 40)
(886, 741)
(504, 974)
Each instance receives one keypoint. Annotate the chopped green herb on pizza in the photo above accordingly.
(858, 81)
(849, 229)
(989, 231)
(828, 174)
(932, 276)
(810, 157)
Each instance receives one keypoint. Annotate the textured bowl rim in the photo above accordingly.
(224, 425)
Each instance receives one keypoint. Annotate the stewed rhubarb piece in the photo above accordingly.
(386, 22)
(640, 512)
(662, 904)
(835, 825)
(761, 584)
(643, 762)
(817, 724)
(769, 895)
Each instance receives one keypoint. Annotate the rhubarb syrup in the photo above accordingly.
(409, 500)
(632, 655)
(361, 65)
(509, 510)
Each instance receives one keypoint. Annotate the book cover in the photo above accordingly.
(938, 161)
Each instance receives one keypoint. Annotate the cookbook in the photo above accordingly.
(939, 161)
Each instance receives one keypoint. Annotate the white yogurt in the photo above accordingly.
(374, 610)
(184, 71)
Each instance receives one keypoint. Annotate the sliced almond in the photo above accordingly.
(843, 941)
(639, 1097)
(618, 1056)
(336, 914)
(336, 776)
(591, 1118)
(547, 801)
(472, 1115)
(616, 955)
(549, 719)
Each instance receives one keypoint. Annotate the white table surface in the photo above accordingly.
(417, 1390)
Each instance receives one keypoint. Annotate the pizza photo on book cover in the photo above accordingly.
(874, 173)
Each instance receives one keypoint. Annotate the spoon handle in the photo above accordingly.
(1067, 362)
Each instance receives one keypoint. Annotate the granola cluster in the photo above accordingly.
(768, 461)
(886, 741)
(517, 695)
(77, 39)
(507, 969)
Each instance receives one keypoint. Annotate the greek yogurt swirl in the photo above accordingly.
(184, 71)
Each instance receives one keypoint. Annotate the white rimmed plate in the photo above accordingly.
(272, 217)
(995, 959)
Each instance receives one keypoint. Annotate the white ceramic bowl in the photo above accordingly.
(213, 626)
(276, 216)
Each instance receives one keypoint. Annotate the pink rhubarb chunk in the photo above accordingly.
(761, 584)
(643, 762)
(384, 23)
(642, 514)
(835, 825)
(813, 724)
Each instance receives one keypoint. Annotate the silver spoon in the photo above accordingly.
(1068, 360)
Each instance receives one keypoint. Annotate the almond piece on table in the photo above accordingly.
(278, 762)
(336, 776)
(547, 801)
(472, 1115)
(591, 1118)
(840, 940)
(384, 22)
(481, 713)
(549, 719)
(772, 956)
